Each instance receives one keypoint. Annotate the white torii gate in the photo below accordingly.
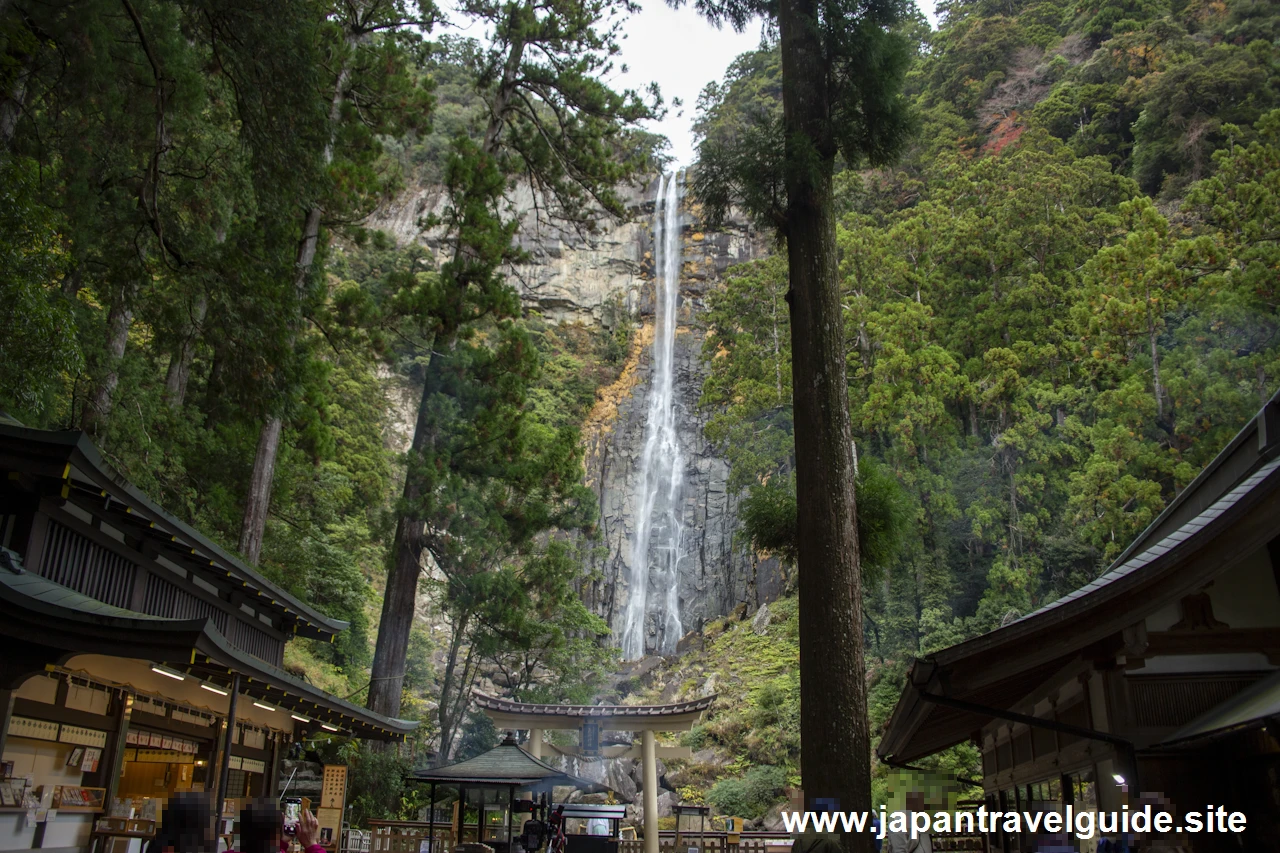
(590, 720)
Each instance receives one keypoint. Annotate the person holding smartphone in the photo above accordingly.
(262, 829)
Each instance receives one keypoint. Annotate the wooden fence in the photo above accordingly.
(407, 836)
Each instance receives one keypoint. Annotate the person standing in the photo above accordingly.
(900, 840)
(187, 826)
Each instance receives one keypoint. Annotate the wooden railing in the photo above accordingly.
(406, 836)
(954, 841)
(714, 842)
(775, 842)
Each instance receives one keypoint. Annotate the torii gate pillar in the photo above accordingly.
(535, 742)
(650, 763)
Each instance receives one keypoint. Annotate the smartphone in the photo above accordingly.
(292, 807)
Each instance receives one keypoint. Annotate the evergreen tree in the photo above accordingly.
(553, 124)
(842, 73)
(372, 93)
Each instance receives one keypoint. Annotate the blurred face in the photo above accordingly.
(915, 801)
(262, 829)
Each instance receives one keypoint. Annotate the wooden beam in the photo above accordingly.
(673, 753)
(59, 713)
(1218, 641)
(563, 722)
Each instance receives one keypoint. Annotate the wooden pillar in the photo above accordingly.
(224, 764)
(431, 820)
(115, 767)
(650, 759)
(273, 780)
(6, 712)
(535, 742)
(461, 837)
(511, 808)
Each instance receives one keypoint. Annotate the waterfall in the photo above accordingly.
(655, 551)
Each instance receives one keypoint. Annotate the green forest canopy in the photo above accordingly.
(1059, 305)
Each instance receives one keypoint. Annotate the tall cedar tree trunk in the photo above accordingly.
(455, 688)
(11, 106)
(119, 319)
(13, 102)
(834, 735)
(179, 372)
(400, 596)
(254, 524)
(259, 497)
(1154, 337)
(258, 500)
(399, 600)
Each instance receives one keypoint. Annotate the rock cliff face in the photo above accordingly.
(571, 275)
(575, 277)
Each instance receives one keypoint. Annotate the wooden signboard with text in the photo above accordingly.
(333, 799)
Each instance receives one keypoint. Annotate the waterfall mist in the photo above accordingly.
(656, 548)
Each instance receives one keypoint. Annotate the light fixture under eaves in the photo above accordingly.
(168, 672)
(213, 689)
(263, 707)
(1119, 779)
(328, 727)
(300, 719)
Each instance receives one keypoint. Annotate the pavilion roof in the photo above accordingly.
(506, 764)
(70, 460)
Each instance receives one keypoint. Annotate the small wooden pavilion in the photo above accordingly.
(497, 785)
(590, 720)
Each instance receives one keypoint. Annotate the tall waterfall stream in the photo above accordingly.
(656, 548)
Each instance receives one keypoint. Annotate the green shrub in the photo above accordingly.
(752, 795)
(696, 738)
(729, 796)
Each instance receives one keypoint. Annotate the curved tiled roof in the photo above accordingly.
(508, 706)
(72, 457)
(37, 609)
(506, 764)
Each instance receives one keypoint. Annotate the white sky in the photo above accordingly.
(682, 53)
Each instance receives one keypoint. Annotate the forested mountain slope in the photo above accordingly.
(1059, 306)
(1040, 351)
(1154, 87)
